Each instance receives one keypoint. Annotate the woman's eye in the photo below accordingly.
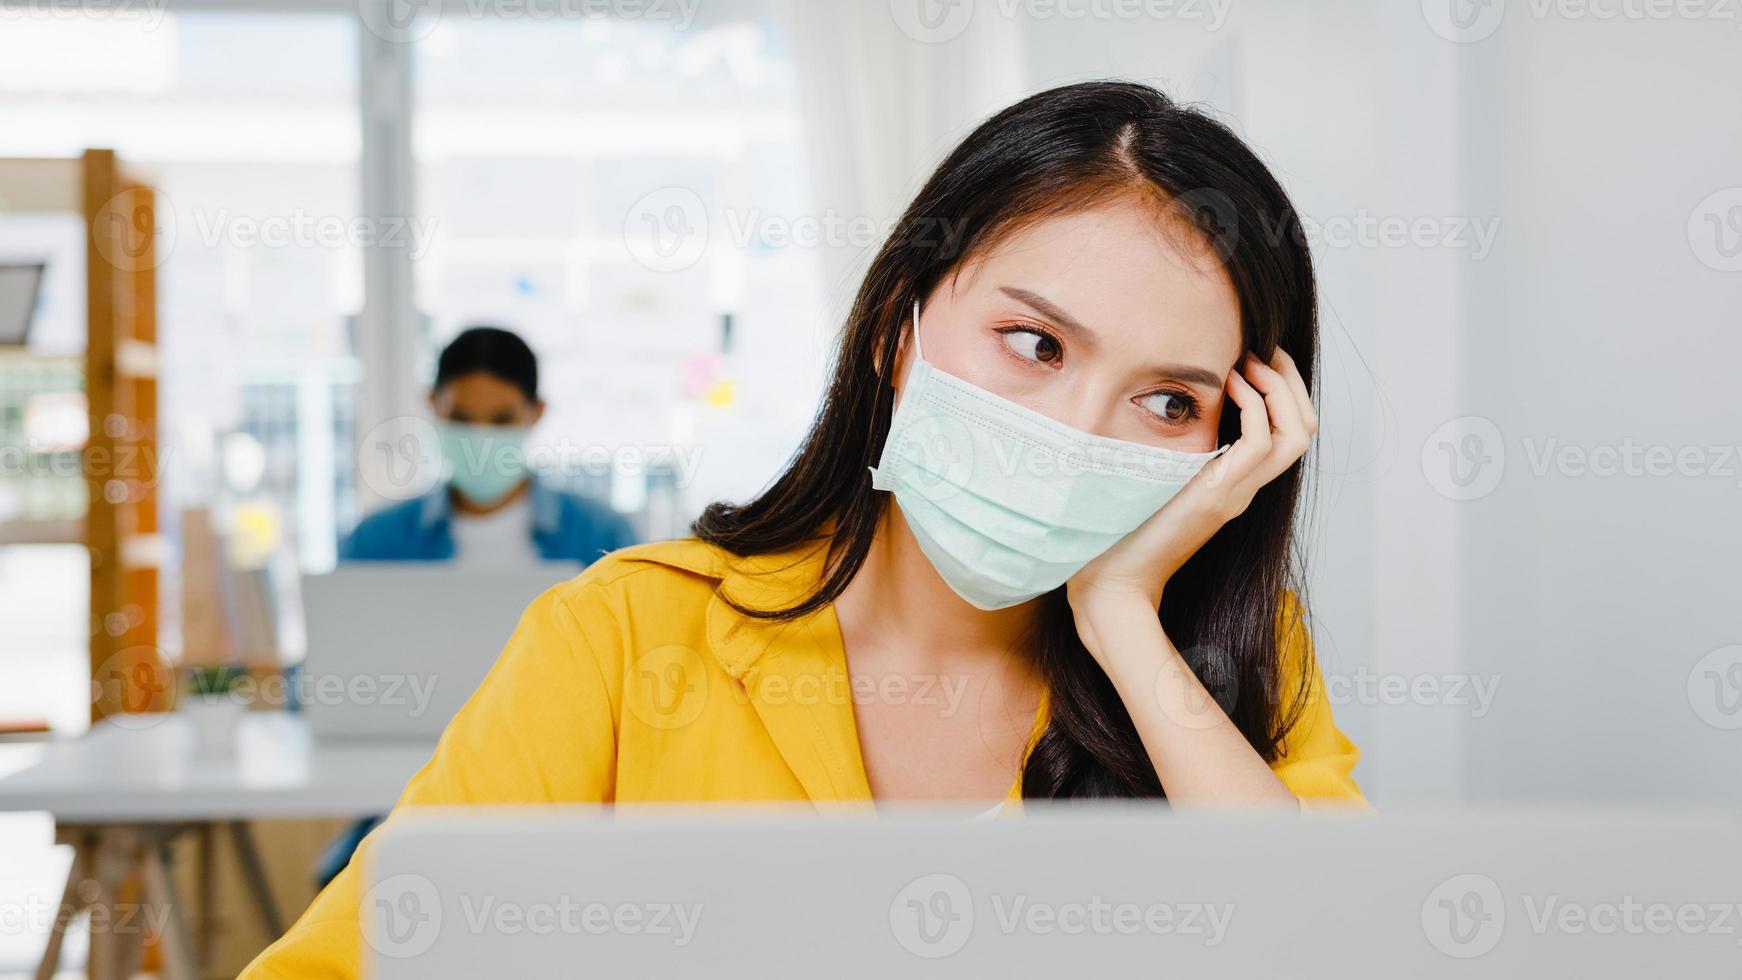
(1032, 345)
(1172, 406)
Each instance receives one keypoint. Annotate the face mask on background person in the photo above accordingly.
(1005, 502)
(486, 462)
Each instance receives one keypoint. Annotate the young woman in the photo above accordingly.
(965, 586)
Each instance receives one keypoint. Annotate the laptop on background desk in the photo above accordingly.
(395, 649)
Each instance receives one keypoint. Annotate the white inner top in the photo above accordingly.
(499, 541)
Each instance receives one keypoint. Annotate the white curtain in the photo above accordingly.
(881, 107)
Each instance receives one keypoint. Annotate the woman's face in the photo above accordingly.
(1106, 320)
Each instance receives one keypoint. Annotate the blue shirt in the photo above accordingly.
(565, 527)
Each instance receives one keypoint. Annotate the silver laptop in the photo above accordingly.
(1057, 893)
(395, 649)
(20, 287)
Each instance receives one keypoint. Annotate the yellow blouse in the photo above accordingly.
(636, 682)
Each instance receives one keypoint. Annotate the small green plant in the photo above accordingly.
(213, 680)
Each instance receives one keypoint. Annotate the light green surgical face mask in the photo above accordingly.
(1007, 503)
(486, 461)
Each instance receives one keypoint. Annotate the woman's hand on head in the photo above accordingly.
(1277, 423)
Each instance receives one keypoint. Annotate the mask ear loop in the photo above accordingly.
(916, 351)
(878, 479)
(918, 355)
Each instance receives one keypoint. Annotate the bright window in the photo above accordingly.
(605, 188)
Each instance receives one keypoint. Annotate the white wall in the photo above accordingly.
(1597, 322)
(1537, 641)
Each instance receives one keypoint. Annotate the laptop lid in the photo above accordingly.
(20, 284)
(1063, 893)
(395, 649)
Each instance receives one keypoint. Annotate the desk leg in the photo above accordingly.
(104, 857)
(255, 872)
(72, 902)
(208, 874)
(112, 864)
(159, 890)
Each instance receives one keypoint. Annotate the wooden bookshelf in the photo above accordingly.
(122, 474)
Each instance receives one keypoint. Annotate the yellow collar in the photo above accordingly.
(778, 580)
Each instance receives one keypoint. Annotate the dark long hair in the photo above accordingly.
(1057, 152)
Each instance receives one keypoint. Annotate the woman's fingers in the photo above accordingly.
(1277, 421)
(1289, 429)
(1290, 410)
(1289, 437)
(1284, 365)
(1253, 445)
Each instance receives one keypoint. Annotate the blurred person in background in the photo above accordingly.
(492, 513)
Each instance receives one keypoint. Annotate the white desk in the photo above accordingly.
(124, 790)
(145, 768)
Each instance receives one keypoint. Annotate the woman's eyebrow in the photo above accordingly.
(1190, 375)
(1047, 308)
